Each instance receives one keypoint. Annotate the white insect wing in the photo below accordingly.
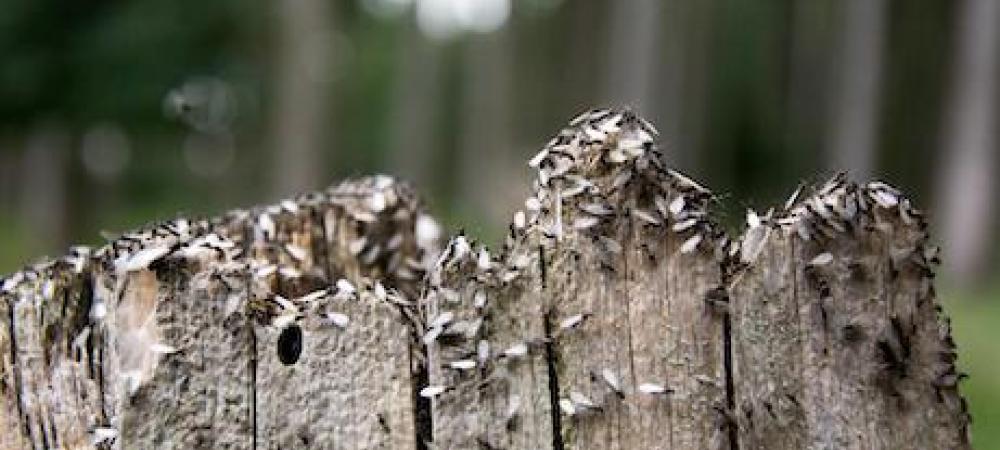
(516, 350)
(162, 349)
(646, 216)
(345, 287)
(432, 391)
(519, 220)
(290, 206)
(822, 259)
(611, 125)
(479, 299)
(461, 247)
(265, 271)
(595, 134)
(676, 205)
(464, 364)
(338, 319)
(483, 350)
(652, 389)
(597, 209)
(100, 435)
(266, 224)
(753, 220)
(143, 258)
(884, 199)
(533, 204)
(81, 339)
(431, 335)
(581, 400)
(691, 244)
(377, 202)
(442, 319)
(567, 407)
(684, 225)
(296, 252)
(571, 321)
(483, 261)
(427, 231)
(357, 245)
(617, 156)
(285, 304)
(611, 379)
(585, 222)
(536, 160)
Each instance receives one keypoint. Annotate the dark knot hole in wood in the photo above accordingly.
(290, 345)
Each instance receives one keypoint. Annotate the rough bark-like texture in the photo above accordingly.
(166, 337)
(195, 391)
(606, 275)
(351, 387)
(838, 342)
(502, 401)
(51, 377)
(615, 316)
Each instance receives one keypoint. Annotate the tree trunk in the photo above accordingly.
(486, 161)
(418, 85)
(304, 52)
(855, 120)
(966, 186)
(43, 188)
(616, 315)
(633, 36)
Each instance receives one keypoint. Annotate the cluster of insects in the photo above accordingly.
(840, 209)
(601, 185)
(267, 258)
(601, 172)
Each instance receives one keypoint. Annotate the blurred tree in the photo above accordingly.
(487, 161)
(679, 68)
(967, 188)
(633, 32)
(43, 201)
(855, 118)
(812, 35)
(301, 121)
(744, 121)
(414, 114)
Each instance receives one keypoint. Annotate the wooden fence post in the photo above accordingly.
(838, 340)
(616, 315)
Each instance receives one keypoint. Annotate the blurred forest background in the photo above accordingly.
(116, 113)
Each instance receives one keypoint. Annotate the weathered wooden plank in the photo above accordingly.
(51, 366)
(174, 333)
(350, 388)
(153, 342)
(10, 388)
(352, 385)
(605, 321)
(603, 284)
(485, 339)
(837, 337)
(644, 366)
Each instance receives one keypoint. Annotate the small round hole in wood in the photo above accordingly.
(290, 345)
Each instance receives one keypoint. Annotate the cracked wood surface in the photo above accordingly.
(615, 315)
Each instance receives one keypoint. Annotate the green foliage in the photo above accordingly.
(976, 328)
(111, 60)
